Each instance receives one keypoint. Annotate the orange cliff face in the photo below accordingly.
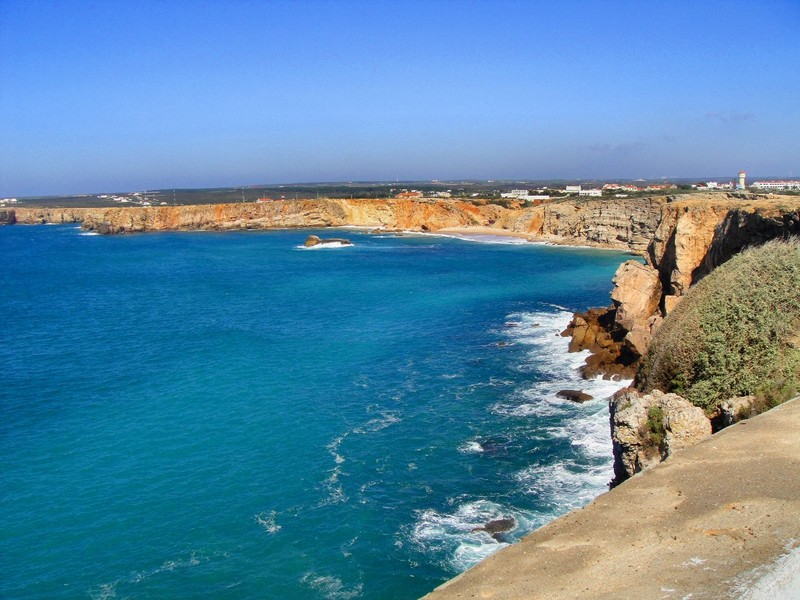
(674, 236)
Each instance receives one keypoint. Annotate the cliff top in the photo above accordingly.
(712, 522)
(747, 201)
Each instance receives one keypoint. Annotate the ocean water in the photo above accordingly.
(228, 415)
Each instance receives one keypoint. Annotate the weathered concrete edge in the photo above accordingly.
(707, 522)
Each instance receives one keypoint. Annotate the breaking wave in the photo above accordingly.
(568, 443)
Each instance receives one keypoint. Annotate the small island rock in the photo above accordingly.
(314, 240)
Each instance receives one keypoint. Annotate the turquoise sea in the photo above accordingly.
(227, 415)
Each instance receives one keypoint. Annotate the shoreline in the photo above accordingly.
(466, 232)
(718, 519)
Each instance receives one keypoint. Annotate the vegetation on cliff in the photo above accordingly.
(737, 332)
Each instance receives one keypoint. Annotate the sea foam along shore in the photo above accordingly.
(534, 412)
(716, 520)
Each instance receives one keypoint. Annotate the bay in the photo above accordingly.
(230, 415)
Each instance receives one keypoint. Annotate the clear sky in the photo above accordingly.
(129, 95)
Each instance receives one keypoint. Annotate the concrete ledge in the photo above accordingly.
(709, 523)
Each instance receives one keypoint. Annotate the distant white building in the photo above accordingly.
(573, 189)
(592, 192)
(524, 195)
(714, 185)
(622, 187)
(521, 194)
(778, 184)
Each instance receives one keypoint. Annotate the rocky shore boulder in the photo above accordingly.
(596, 330)
(497, 527)
(574, 395)
(648, 428)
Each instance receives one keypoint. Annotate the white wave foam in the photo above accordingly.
(378, 423)
(538, 409)
(564, 485)
(456, 534)
(580, 477)
(470, 447)
(487, 238)
(334, 487)
(332, 484)
(107, 591)
(549, 358)
(333, 448)
(330, 587)
(89, 233)
(267, 521)
(326, 246)
(590, 433)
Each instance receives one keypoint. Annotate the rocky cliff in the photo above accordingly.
(730, 348)
(400, 214)
(692, 237)
(625, 224)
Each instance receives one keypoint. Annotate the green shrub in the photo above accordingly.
(655, 426)
(735, 333)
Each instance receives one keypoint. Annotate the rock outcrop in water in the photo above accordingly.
(315, 240)
(497, 527)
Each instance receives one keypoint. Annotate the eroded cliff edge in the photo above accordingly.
(692, 238)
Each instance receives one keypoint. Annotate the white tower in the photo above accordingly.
(741, 184)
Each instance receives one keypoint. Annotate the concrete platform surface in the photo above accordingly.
(718, 520)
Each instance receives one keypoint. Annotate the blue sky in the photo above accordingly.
(130, 95)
